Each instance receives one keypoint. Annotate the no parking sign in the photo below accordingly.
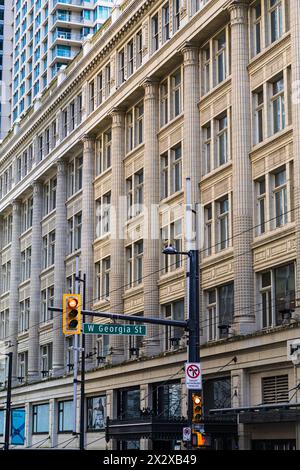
(193, 378)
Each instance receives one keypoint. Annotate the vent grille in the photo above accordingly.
(275, 389)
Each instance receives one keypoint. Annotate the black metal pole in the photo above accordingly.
(194, 321)
(8, 402)
(82, 381)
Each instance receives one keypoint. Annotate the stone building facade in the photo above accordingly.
(168, 90)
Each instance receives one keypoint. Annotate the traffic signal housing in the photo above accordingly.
(197, 408)
(198, 439)
(71, 314)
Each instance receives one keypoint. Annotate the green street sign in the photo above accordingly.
(113, 329)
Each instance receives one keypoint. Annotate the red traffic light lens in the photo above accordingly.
(72, 302)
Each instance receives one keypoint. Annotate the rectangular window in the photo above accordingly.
(139, 123)
(171, 235)
(24, 316)
(275, 17)
(22, 366)
(91, 96)
(278, 106)
(166, 22)
(103, 205)
(72, 116)
(65, 416)
(130, 58)
(4, 324)
(257, 25)
(177, 168)
(74, 233)
(222, 141)
(208, 229)
(40, 415)
(46, 359)
(167, 400)
(155, 33)
(223, 224)
(280, 198)
(261, 206)
(107, 80)
(96, 413)
(220, 57)
(206, 66)
(176, 93)
(225, 308)
(135, 194)
(266, 300)
(259, 116)
(99, 88)
(103, 268)
(129, 404)
(277, 290)
(134, 256)
(121, 67)
(164, 103)
(139, 48)
(176, 15)
(173, 334)
(212, 319)
(208, 166)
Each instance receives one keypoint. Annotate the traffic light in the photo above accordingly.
(197, 408)
(71, 314)
(198, 439)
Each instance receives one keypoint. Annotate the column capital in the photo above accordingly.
(16, 204)
(117, 115)
(190, 52)
(61, 166)
(88, 138)
(37, 187)
(238, 12)
(150, 85)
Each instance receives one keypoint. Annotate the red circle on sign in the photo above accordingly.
(193, 371)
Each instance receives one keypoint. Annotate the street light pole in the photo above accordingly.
(193, 323)
(82, 380)
(8, 401)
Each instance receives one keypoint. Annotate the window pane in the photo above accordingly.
(96, 412)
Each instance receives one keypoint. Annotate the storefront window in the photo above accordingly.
(96, 413)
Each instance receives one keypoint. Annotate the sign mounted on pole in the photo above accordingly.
(193, 377)
(114, 329)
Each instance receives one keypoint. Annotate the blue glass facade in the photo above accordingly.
(47, 35)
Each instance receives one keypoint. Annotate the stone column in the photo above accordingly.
(117, 226)
(191, 140)
(88, 216)
(191, 130)
(151, 215)
(59, 266)
(241, 170)
(14, 306)
(35, 283)
(295, 45)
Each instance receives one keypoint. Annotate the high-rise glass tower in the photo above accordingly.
(47, 35)
(5, 64)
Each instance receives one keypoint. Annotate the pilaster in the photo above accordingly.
(35, 283)
(151, 214)
(118, 214)
(241, 170)
(295, 50)
(88, 217)
(14, 306)
(59, 266)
